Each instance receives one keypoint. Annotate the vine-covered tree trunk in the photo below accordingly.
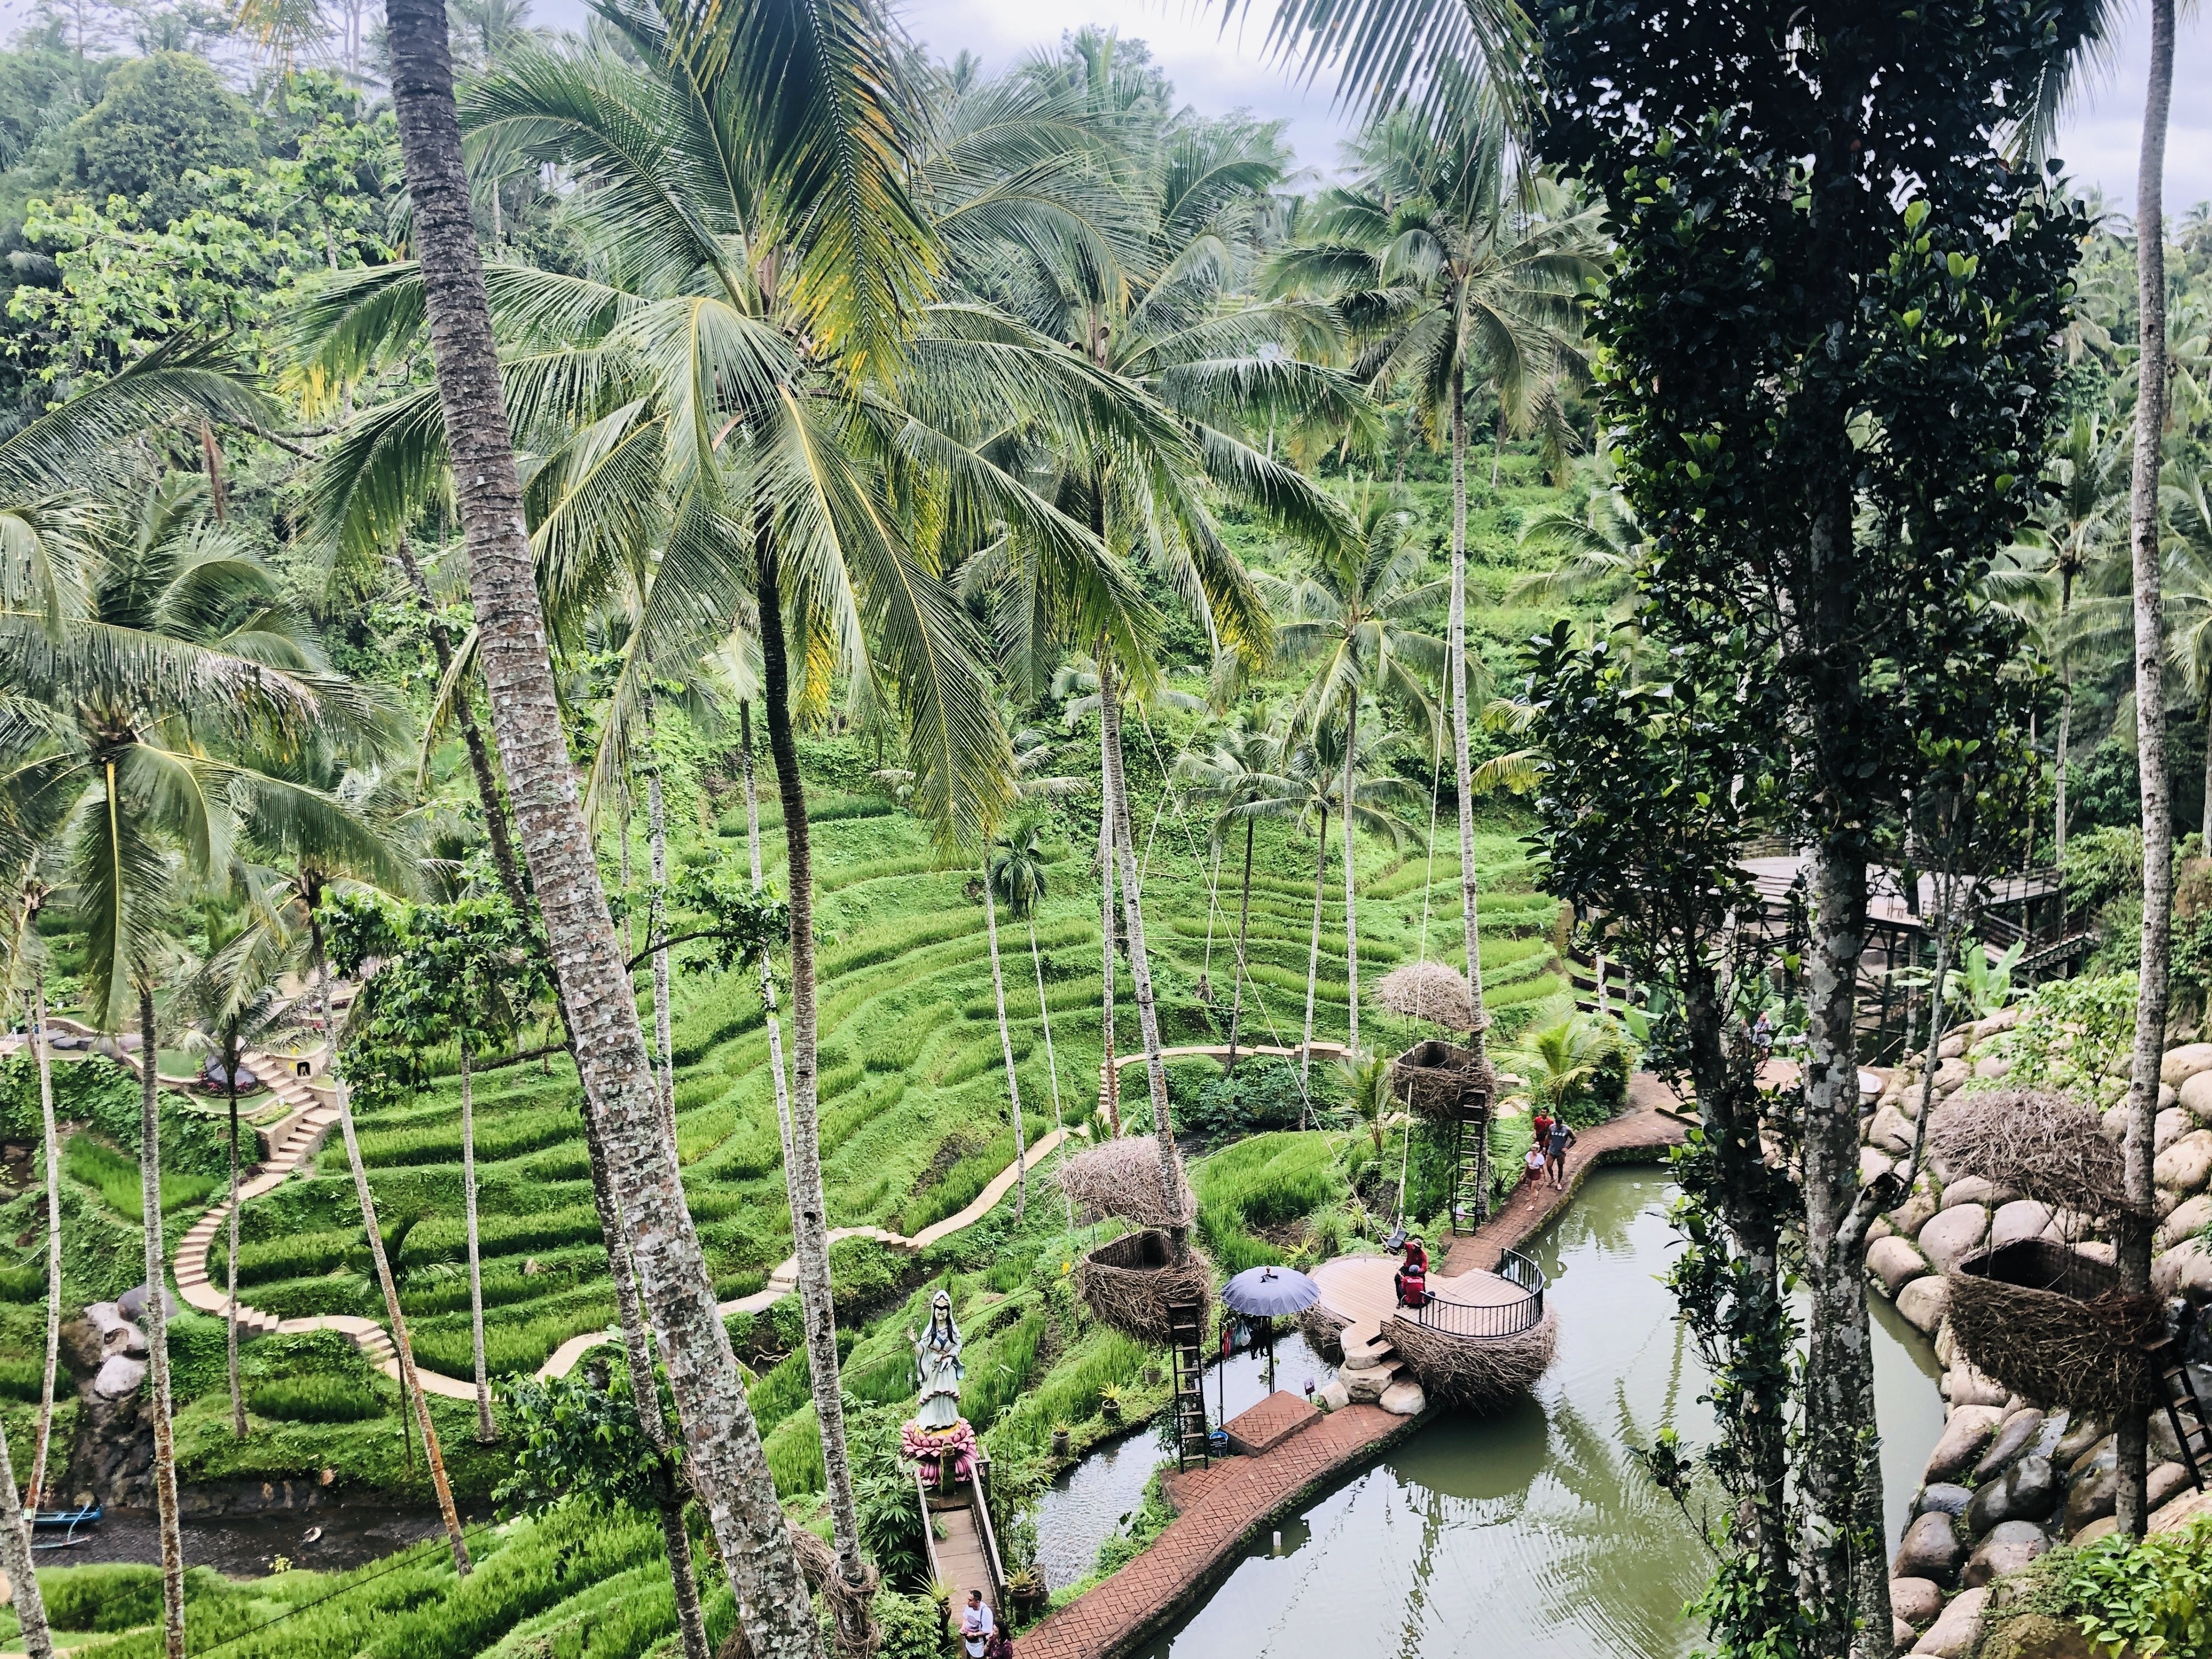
(487, 1430)
(723, 1453)
(802, 1171)
(1243, 932)
(52, 1141)
(1351, 876)
(767, 970)
(230, 1054)
(1007, 1047)
(1110, 1069)
(2135, 1238)
(1313, 959)
(1132, 918)
(16, 1558)
(157, 1336)
(1462, 763)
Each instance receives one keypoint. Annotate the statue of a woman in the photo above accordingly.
(937, 1367)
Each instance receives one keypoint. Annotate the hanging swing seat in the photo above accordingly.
(2055, 1325)
(1441, 1082)
(1131, 1283)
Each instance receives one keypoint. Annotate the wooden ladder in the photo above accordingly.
(2184, 1410)
(1185, 1338)
(1470, 1185)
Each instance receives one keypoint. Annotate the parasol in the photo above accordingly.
(1272, 1292)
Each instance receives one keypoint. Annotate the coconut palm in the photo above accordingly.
(1350, 615)
(1242, 766)
(1450, 269)
(2188, 598)
(1592, 550)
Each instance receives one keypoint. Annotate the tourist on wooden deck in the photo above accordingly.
(1412, 1279)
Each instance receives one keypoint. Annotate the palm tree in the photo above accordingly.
(1006, 1033)
(1016, 871)
(1241, 767)
(230, 1003)
(1448, 267)
(2188, 598)
(1350, 613)
(1593, 549)
(24, 960)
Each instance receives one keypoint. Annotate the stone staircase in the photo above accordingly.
(1374, 1374)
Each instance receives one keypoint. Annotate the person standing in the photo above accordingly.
(1555, 1152)
(977, 1625)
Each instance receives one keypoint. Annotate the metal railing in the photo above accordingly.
(1488, 1321)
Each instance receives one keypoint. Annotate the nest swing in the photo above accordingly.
(1434, 1078)
(1132, 1284)
(1121, 1178)
(2042, 1146)
(1481, 1376)
(1430, 991)
(2055, 1327)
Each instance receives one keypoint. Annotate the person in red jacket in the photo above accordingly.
(1412, 1277)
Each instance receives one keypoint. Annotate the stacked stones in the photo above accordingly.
(2008, 1481)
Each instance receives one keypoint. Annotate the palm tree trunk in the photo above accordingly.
(1351, 878)
(802, 1172)
(723, 1453)
(767, 972)
(230, 1270)
(1111, 1069)
(1462, 767)
(2059, 778)
(1007, 1047)
(1497, 445)
(465, 716)
(1313, 959)
(656, 829)
(1051, 1065)
(487, 1430)
(157, 1336)
(16, 1558)
(1243, 928)
(2135, 1236)
(1140, 971)
(53, 1248)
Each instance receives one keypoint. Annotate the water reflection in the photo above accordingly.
(1530, 1532)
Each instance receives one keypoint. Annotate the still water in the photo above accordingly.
(1532, 1533)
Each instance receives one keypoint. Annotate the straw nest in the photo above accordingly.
(1131, 1283)
(2043, 1146)
(2055, 1327)
(1440, 1081)
(1430, 991)
(1121, 1178)
(1473, 1374)
(817, 1562)
(1323, 1332)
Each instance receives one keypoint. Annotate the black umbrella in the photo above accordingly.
(1268, 1293)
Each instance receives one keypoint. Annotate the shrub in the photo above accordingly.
(98, 1093)
(314, 1399)
(106, 1598)
(2144, 1595)
(861, 1272)
(913, 1625)
(1259, 1095)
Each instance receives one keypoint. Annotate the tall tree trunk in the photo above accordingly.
(2059, 785)
(1140, 969)
(1244, 930)
(16, 1558)
(1111, 1068)
(230, 1270)
(2135, 1237)
(656, 829)
(157, 1335)
(53, 1246)
(465, 716)
(1313, 956)
(1051, 1065)
(766, 972)
(487, 1430)
(1351, 877)
(1006, 1047)
(1462, 766)
(723, 1452)
(810, 1231)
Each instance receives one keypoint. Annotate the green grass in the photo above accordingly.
(117, 1178)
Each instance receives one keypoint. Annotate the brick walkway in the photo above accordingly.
(1220, 1509)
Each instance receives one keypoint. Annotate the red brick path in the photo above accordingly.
(1219, 1508)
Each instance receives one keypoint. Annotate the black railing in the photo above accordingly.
(1489, 1322)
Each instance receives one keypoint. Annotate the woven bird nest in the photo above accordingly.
(1440, 1081)
(1121, 1178)
(2042, 1146)
(1476, 1375)
(2055, 1327)
(1131, 1283)
(1430, 991)
(849, 1606)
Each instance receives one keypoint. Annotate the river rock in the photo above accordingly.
(1924, 1302)
(1931, 1549)
(2028, 1491)
(2078, 1438)
(1956, 1232)
(2180, 1511)
(1915, 1601)
(2095, 1494)
(2096, 1250)
(2165, 1200)
(1962, 1385)
(1404, 1399)
(1331, 1396)
(2024, 1217)
(2173, 1124)
(1951, 1075)
(2166, 1483)
(1953, 1634)
(2184, 1166)
(1874, 1166)
(1963, 1439)
(1944, 1497)
(1970, 1189)
(1900, 1634)
(1953, 1045)
(1895, 1263)
(2179, 1065)
(2190, 1216)
(2113, 1124)
(2003, 1020)
(1992, 1559)
(2184, 1270)
(1910, 1217)
(120, 1376)
(2196, 1097)
(1994, 1067)
(2013, 1436)
(1890, 1131)
(1366, 1387)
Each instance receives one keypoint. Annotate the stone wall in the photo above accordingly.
(2007, 1481)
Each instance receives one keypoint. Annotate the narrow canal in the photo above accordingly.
(1533, 1532)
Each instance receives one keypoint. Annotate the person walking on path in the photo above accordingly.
(1555, 1152)
(977, 1625)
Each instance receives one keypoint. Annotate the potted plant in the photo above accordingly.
(1109, 1402)
(1026, 1590)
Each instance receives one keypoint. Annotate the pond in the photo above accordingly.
(1533, 1527)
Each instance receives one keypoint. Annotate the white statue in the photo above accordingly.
(937, 1367)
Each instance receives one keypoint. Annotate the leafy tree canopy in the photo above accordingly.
(160, 119)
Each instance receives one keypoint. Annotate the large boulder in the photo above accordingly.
(2184, 1270)
(2003, 1020)
(2196, 1096)
(1895, 1263)
(2172, 1123)
(2093, 1495)
(120, 1376)
(1874, 1166)
(1944, 1497)
(1955, 1233)
(2024, 1217)
(1952, 1075)
(1404, 1399)
(1924, 1302)
(1994, 1559)
(1915, 1601)
(2185, 1166)
(1971, 1189)
(1953, 1636)
(2189, 1217)
(1890, 1131)
(1964, 1436)
(2028, 1491)
(1962, 1385)
(2166, 1483)
(2013, 1436)
(1931, 1549)
(2179, 1065)
(1910, 1217)
(2180, 1511)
